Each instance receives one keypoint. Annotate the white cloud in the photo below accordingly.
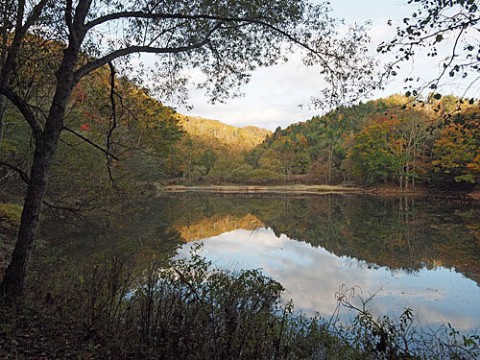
(281, 95)
(275, 96)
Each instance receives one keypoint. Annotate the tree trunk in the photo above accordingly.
(14, 278)
(45, 147)
(3, 107)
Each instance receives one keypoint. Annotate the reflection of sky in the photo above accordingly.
(312, 276)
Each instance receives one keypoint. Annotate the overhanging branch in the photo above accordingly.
(222, 19)
(91, 66)
(164, 16)
(25, 109)
(87, 140)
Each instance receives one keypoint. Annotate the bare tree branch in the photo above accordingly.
(23, 175)
(25, 109)
(87, 140)
(86, 69)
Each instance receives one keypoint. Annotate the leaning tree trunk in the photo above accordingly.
(45, 147)
(14, 278)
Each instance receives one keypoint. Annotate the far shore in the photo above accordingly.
(387, 190)
(291, 189)
(241, 189)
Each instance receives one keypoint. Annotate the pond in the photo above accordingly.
(420, 253)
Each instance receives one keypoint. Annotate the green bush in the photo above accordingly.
(11, 213)
(188, 311)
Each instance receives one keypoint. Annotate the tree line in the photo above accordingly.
(398, 140)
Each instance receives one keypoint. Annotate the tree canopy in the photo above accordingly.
(49, 46)
(444, 30)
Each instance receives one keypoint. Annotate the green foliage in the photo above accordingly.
(144, 138)
(10, 213)
(207, 160)
(392, 140)
(374, 156)
(214, 152)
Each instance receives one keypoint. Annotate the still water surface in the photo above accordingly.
(423, 254)
(418, 253)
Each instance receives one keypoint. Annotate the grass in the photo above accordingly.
(240, 189)
(186, 310)
(10, 213)
(9, 221)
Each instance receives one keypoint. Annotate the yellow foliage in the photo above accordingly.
(220, 135)
(217, 225)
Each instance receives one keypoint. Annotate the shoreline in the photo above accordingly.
(262, 189)
(383, 191)
(282, 189)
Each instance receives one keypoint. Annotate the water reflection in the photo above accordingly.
(397, 233)
(312, 276)
(421, 253)
(424, 253)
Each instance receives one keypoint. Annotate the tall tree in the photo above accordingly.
(376, 155)
(224, 39)
(331, 128)
(457, 151)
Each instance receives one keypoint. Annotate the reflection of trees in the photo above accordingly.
(140, 232)
(403, 233)
(217, 225)
(400, 233)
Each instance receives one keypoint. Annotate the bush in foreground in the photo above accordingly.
(188, 311)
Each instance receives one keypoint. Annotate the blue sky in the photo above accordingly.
(281, 95)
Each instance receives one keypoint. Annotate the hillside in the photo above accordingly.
(397, 140)
(218, 134)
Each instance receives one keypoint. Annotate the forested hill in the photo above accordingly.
(148, 141)
(396, 140)
(217, 134)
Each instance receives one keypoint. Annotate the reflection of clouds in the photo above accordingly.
(430, 316)
(312, 277)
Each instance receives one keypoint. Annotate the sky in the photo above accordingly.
(281, 95)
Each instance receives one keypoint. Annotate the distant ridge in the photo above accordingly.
(216, 132)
